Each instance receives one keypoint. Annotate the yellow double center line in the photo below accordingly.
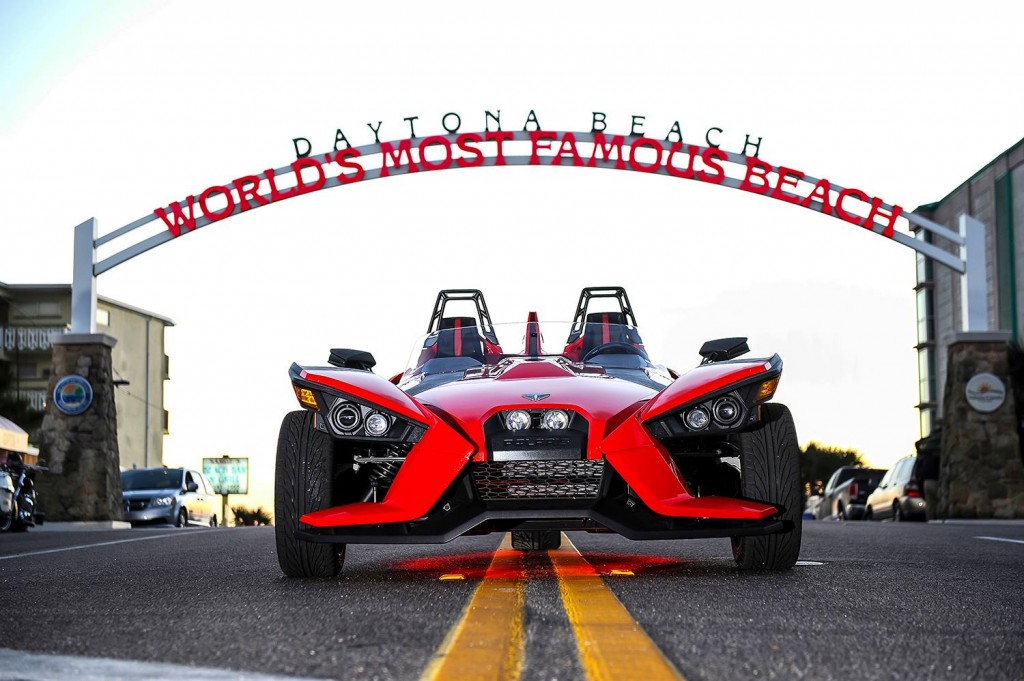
(487, 642)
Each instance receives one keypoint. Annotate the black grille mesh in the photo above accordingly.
(538, 479)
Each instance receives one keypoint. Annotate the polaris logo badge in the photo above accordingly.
(537, 397)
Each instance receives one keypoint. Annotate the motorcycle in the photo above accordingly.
(22, 496)
(6, 501)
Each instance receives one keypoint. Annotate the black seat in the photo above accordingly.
(602, 328)
(459, 337)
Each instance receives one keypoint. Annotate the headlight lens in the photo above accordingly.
(697, 418)
(517, 419)
(162, 501)
(377, 424)
(554, 419)
(345, 417)
(727, 411)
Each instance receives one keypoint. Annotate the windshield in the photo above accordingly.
(453, 350)
(161, 478)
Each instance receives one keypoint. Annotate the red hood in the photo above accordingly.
(474, 399)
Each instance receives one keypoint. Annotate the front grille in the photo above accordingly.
(501, 480)
(137, 504)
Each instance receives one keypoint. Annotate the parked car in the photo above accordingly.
(178, 496)
(847, 492)
(900, 494)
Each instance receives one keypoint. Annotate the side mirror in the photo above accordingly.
(351, 359)
(723, 349)
(192, 487)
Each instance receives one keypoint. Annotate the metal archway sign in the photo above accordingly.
(491, 148)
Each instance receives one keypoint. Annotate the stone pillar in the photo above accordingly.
(84, 480)
(981, 474)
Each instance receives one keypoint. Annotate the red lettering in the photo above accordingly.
(849, 217)
(436, 140)
(499, 137)
(478, 156)
(215, 215)
(759, 170)
(341, 158)
(249, 193)
(644, 142)
(539, 139)
(787, 178)
(672, 169)
(606, 150)
(712, 157)
(568, 146)
(180, 219)
(876, 210)
(820, 192)
(275, 194)
(300, 186)
(387, 151)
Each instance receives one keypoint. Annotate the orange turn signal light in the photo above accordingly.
(306, 397)
(767, 389)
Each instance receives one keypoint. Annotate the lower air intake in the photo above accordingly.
(503, 480)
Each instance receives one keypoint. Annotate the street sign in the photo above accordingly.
(228, 475)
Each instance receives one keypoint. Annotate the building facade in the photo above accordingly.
(31, 313)
(995, 196)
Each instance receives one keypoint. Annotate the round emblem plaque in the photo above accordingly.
(72, 395)
(985, 393)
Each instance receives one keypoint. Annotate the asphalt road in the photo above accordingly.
(907, 601)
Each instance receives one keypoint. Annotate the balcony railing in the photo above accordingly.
(35, 398)
(28, 338)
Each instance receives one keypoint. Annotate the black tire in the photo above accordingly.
(536, 540)
(303, 483)
(868, 514)
(213, 521)
(182, 519)
(7, 524)
(897, 512)
(841, 513)
(770, 473)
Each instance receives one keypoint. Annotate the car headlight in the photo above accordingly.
(517, 419)
(554, 419)
(377, 424)
(697, 418)
(162, 501)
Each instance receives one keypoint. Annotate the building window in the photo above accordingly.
(28, 370)
(167, 419)
(102, 317)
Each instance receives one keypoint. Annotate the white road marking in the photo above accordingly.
(805, 563)
(16, 664)
(178, 533)
(1009, 541)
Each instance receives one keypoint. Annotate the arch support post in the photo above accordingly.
(83, 282)
(973, 284)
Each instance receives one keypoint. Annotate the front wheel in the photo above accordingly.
(182, 520)
(536, 540)
(770, 473)
(897, 512)
(868, 514)
(213, 521)
(303, 484)
(7, 521)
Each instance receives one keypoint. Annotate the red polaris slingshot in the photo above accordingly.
(586, 434)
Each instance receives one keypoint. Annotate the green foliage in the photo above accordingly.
(245, 517)
(818, 462)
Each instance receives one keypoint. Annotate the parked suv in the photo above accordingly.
(168, 495)
(900, 494)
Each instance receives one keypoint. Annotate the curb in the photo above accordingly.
(83, 526)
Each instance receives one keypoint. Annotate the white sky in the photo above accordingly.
(113, 113)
